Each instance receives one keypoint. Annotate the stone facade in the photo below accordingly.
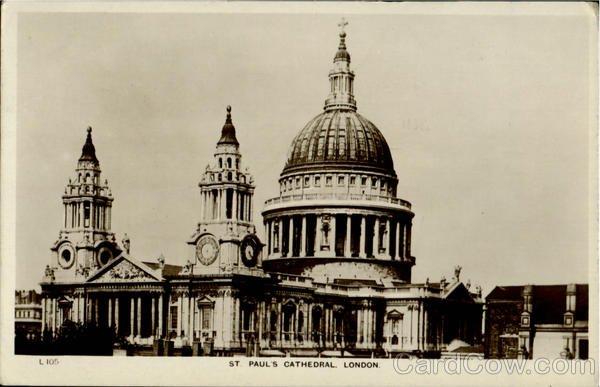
(332, 277)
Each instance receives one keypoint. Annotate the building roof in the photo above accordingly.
(169, 270)
(549, 301)
(228, 131)
(506, 293)
(340, 138)
(88, 152)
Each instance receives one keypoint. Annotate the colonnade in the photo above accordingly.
(330, 235)
(81, 213)
(126, 313)
(216, 205)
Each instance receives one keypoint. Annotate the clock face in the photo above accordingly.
(249, 250)
(207, 250)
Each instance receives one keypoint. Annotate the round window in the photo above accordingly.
(104, 256)
(66, 256)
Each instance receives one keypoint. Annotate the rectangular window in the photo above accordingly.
(328, 180)
(374, 182)
(206, 317)
(297, 182)
(173, 318)
(86, 214)
(352, 180)
(340, 180)
(318, 181)
(363, 181)
(306, 181)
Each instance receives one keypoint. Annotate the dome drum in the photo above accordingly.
(334, 270)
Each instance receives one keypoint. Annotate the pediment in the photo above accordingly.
(124, 270)
(459, 293)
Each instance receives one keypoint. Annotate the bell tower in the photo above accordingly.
(85, 241)
(225, 239)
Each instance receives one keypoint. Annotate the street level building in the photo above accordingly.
(535, 321)
(332, 276)
(28, 314)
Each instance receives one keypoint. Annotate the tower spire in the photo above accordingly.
(88, 152)
(341, 78)
(228, 131)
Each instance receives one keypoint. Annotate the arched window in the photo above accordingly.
(220, 177)
(229, 162)
(229, 176)
(237, 163)
(220, 162)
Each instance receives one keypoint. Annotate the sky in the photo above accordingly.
(489, 118)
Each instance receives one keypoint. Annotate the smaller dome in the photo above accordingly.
(88, 153)
(228, 131)
(342, 53)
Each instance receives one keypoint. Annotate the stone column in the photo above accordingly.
(117, 315)
(261, 309)
(202, 205)
(153, 318)
(279, 324)
(332, 236)
(386, 238)
(139, 316)
(363, 235)
(359, 333)
(160, 315)
(303, 237)
(295, 330)
(400, 248)
(376, 245)
(234, 211)
(110, 312)
(53, 316)
(235, 321)
(75, 311)
(425, 327)
(179, 310)
(291, 237)
(44, 315)
(249, 208)
(81, 309)
(348, 247)
(132, 319)
(397, 236)
(309, 337)
(408, 238)
(370, 326)
(191, 322)
(280, 238)
(319, 225)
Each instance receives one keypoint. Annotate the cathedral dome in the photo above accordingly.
(340, 138)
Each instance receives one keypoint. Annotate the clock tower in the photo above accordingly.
(225, 240)
(85, 241)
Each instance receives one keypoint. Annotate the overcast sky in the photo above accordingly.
(487, 116)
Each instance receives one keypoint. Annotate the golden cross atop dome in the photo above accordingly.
(343, 23)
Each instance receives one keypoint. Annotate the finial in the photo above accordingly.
(228, 120)
(89, 130)
(343, 23)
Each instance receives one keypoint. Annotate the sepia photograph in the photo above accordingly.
(302, 193)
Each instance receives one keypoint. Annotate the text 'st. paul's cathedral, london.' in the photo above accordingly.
(332, 276)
